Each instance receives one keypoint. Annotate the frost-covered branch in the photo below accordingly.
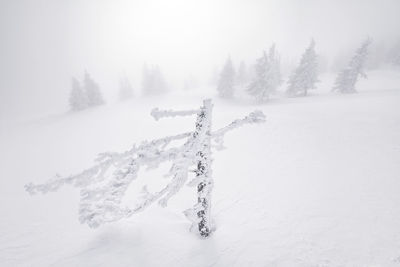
(107, 160)
(103, 186)
(158, 114)
(254, 117)
(218, 136)
(101, 195)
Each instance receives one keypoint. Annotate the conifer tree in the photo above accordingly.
(393, 55)
(242, 75)
(125, 89)
(347, 78)
(153, 81)
(160, 85)
(145, 78)
(77, 97)
(275, 67)
(305, 75)
(267, 76)
(261, 87)
(226, 80)
(92, 90)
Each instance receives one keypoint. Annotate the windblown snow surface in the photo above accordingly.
(318, 184)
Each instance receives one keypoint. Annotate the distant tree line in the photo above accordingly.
(260, 80)
(85, 94)
(264, 78)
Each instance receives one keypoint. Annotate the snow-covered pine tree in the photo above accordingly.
(347, 78)
(145, 78)
(153, 81)
(242, 75)
(267, 76)
(275, 67)
(260, 87)
(125, 89)
(77, 97)
(396, 59)
(305, 75)
(103, 185)
(160, 85)
(226, 80)
(393, 55)
(92, 90)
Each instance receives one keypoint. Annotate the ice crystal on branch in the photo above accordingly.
(103, 185)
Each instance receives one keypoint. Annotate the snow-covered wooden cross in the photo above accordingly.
(103, 185)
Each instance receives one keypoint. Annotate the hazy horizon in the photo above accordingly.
(45, 43)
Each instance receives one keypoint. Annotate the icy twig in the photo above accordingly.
(158, 114)
(254, 117)
(103, 186)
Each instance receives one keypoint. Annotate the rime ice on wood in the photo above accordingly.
(102, 190)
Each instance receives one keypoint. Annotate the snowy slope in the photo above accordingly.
(317, 185)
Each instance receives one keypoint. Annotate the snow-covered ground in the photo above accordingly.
(318, 184)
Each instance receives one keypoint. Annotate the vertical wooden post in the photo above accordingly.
(203, 171)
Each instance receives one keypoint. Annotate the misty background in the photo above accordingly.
(44, 43)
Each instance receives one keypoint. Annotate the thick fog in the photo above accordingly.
(46, 42)
(199, 133)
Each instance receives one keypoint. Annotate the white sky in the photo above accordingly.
(45, 42)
